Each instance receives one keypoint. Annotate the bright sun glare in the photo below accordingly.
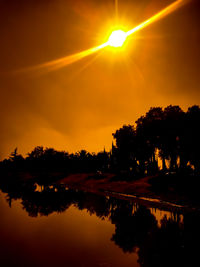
(117, 38)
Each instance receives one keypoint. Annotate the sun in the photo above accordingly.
(117, 38)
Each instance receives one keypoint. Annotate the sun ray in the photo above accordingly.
(62, 62)
(161, 14)
(116, 10)
(87, 64)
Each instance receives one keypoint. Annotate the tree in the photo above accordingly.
(173, 123)
(192, 143)
(15, 157)
(149, 132)
(126, 142)
(37, 153)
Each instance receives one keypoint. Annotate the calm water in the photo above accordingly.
(61, 227)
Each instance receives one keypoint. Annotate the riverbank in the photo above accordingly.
(162, 190)
(158, 190)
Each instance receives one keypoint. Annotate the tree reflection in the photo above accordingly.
(171, 242)
(164, 246)
(131, 228)
(47, 202)
(94, 204)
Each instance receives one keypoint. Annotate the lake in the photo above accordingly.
(63, 227)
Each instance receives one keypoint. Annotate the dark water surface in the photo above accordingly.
(61, 227)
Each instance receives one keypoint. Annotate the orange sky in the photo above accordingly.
(81, 105)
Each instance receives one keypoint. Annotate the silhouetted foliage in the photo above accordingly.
(168, 135)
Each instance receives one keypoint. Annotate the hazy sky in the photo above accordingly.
(81, 105)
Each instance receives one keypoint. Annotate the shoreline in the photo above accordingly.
(139, 190)
(149, 191)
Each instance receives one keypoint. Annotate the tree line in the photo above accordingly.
(41, 158)
(168, 136)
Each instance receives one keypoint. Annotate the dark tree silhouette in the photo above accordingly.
(149, 132)
(126, 147)
(169, 135)
(192, 137)
(14, 156)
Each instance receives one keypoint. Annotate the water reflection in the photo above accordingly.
(160, 238)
